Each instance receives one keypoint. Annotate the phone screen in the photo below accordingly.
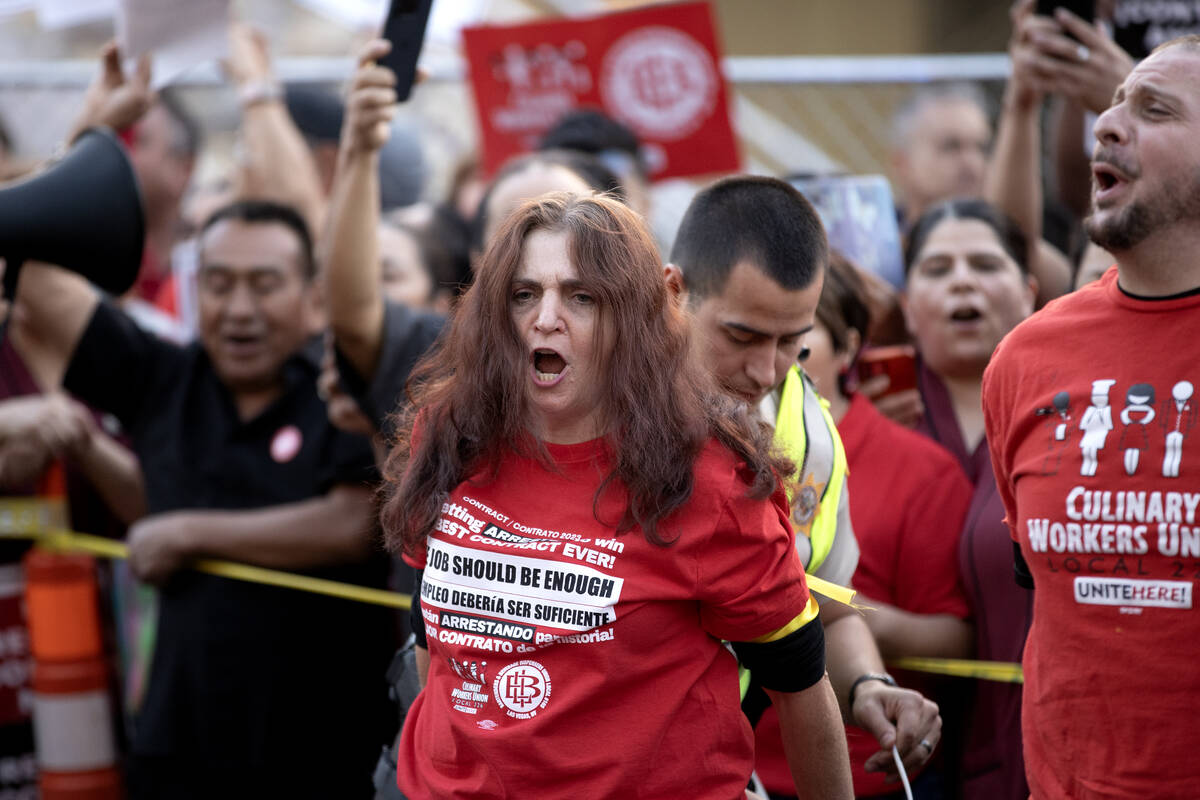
(405, 29)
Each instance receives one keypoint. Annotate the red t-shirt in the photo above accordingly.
(908, 500)
(1093, 421)
(569, 662)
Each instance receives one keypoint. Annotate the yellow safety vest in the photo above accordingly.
(806, 433)
(816, 488)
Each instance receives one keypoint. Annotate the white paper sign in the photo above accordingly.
(58, 14)
(180, 33)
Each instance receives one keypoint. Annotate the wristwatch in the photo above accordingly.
(868, 676)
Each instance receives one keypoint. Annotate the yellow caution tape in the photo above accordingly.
(831, 590)
(1000, 671)
(31, 518)
(26, 518)
(98, 545)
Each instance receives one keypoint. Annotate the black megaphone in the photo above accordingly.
(83, 213)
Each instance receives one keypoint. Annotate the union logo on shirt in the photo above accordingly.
(522, 689)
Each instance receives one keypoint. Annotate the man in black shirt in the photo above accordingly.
(254, 691)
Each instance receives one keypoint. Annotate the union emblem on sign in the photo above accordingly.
(661, 82)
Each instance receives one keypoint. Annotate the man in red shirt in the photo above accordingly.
(1113, 543)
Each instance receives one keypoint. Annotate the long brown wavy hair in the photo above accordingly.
(468, 396)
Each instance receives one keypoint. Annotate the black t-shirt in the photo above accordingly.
(407, 335)
(243, 673)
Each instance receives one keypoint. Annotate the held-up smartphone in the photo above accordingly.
(404, 27)
(1084, 9)
(898, 362)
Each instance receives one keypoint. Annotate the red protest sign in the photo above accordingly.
(656, 69)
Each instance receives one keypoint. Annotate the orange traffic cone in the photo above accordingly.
(73, 731)
(72, 711)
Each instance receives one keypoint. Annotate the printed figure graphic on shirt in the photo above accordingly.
(1060, 405)
(1095, 424)
(1179, 417)
(1137, 414)
(474, 671)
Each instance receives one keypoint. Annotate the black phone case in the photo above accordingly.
(1084, 9)
(405, 29)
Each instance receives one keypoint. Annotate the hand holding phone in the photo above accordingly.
(898, 362)
(897, 398)
(370, 102)
(1081, 62)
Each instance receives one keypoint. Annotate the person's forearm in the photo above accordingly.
(902, 633)
(1052, 270)
(350, 261)
(814, 742)
(1014, 178)
(332, 529)
(276, 163)
(116, 475)
(850, 652)
(1014, 185)
(1073, 177)
(56, 307)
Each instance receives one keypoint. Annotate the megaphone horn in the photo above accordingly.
(83, 212)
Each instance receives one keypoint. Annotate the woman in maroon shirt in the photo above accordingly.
(968, 284)
(908, 498)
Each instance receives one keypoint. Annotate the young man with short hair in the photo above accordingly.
(749, 260)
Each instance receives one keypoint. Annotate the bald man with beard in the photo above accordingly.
(1113, 548)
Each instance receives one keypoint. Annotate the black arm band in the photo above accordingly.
(416, 620)
(1021, 571)
(790, 664)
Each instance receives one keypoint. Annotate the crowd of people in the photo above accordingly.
(604, 466)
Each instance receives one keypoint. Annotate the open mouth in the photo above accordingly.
(548, 365)
(966, 315)
(1107, 179)
(241, 343)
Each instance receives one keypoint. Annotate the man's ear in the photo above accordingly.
(673, 277)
